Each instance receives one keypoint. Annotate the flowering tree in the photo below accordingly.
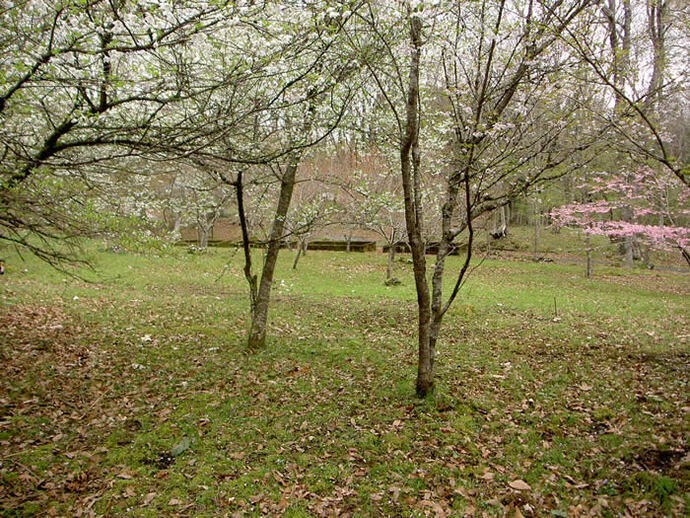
(198, 198)
(82, 84)
(280, 87)
(481, 80)
(372, 201)
(644, 205)
(312, 208)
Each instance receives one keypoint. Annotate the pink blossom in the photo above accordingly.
(644, 196)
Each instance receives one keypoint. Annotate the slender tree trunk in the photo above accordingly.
(437, 311)
(391, 257)
(257, 330)
(657, 25)
(627, 244)
(535, 238)
(177, 225)
(504, 225)
(686, 254)
(620, 41)
(588, 251)
(297, 255)
(409, 169)
(302, 246)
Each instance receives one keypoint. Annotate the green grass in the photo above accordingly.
(577, 387)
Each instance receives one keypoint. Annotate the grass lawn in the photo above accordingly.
(135, 395)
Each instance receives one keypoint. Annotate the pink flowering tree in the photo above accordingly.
(643, 205)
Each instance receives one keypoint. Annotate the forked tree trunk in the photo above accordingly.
(259, 309)
(409, 169)
(430, 306)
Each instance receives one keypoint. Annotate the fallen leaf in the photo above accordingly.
(175, 501)
(126, 474)
(488, 476)
(149, 498)
(520, 485)
(438, 510)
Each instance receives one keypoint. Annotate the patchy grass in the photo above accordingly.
(135, 395)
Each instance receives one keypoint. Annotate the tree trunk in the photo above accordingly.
(686, 254)
(500, 227)
(626, 245)
(257, 331)
(391, 257)
(620, 47)
(177, 225)
(299, 252)
(588, 251)
(535, 237)
(409, 169)
(302, 246)
(504, 225)
(657, 25)
(202, 236)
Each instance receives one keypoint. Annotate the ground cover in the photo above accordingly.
(135, 395)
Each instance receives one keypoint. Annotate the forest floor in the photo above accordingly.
(135, 395)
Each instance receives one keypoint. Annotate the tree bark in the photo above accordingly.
(535, 243)
(657, 25)
(202, 234)
(257, 330)
(302, 246)
(626, 245)
(299, 252)
(177, 225)
(409, 169)
(504, 224)
(686, 254)
(391, 257)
